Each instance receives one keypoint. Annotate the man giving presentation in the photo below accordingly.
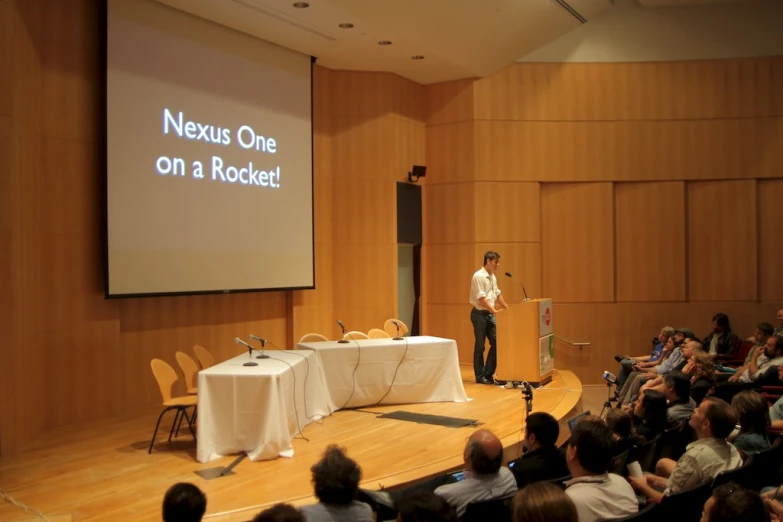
(484, 294)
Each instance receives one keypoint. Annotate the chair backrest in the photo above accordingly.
(740, 475)
(165, 375)
(205, 358)
(686, 505)
(391, 329)
(649, 513)
(617, 465)
(313, 338)
(353, 335)
(744, 349)
(188, 366)
(559, 481)
(377, 333)
(645, 453)
(673, 441)
(764, 467)
(499, 509)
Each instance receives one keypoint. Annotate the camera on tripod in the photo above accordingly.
(610, 377)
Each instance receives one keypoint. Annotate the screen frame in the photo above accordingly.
(103, 147)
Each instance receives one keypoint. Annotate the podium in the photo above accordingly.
(526, 342)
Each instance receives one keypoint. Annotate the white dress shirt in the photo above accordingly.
(483, 285)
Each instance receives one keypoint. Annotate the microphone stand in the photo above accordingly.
(250, 355)
(343, 340)
(399, 337)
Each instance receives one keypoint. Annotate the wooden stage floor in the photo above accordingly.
(101, 470)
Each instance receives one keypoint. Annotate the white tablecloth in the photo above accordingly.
(252, 408)
(429, 372)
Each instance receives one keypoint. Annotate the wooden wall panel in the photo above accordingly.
(683, 90)
(577, 239)
(449, 102)
(522, 260)
(352, 139)
(448, 213)
(363, 211)
(450, 153)
(361, 95)
(452, 321)
(722, 241)
(628, 151)
(770, 249)
(650, 241)
(451, 267)
(507, 212)
(6, 39)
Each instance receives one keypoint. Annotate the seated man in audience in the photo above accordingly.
(762, 362)
(336, 484)
(485, 476)
(677, 390)
(759, 339)
(596, 493)
(675, 362)
(688, 350)
(721, 341)
(541, 460)
(776, 410)
(703, 459)
(644, 362)
(184, 502)
(779, 329)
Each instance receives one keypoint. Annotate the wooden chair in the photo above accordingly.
(391, 329)
(313, 338)
(354, 335)
(205, 359)
(189, 370)
(166, 377)
(377, 333)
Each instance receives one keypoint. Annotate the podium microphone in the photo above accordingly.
(508, 274)
(263, 344)
(249, 351)
(342, 326)
(398, 338)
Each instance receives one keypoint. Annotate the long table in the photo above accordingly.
(259, 409)
(365, 372)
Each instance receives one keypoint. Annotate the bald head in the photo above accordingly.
(484, 453)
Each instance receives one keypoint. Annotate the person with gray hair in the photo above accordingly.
(643, 362)
(485, 476)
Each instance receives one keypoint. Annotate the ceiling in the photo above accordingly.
(457, 38)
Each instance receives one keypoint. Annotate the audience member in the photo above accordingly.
(425, 506)
(541, 459)
(703, 459)
(761, 365)
(280, 513)
(702, 374)
(644, 362)
(485, 476)
(184, 502)
(732, 503)
(779, 329)
(753, 418)
(677, 389)
(336, 483)
(721, 341)
(621, 424)
(649, 414)
(596, 493)
(544, 502)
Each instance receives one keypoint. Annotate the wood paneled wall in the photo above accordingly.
(636, 195)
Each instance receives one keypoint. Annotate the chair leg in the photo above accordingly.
(157, 425)
(195, 412)
(190, 423)
(174, 424)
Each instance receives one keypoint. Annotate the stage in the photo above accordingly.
(101, 470)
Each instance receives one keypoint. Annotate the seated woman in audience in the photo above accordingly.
(543, 502)
(753, 418)
(649, 414)
(732, 503)
(702, 374)
(621, 424)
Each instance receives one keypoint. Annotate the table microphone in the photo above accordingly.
(263, 344)
(508, 274)
(249, 351)
(342, 341)
(398, 338)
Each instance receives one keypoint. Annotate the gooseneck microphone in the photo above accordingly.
(249, 347)
(399, 337)
(263, 345)
(508, 274)
(344, 329)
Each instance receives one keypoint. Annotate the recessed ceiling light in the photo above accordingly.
(301, 5)
(345, 25)
(384, 42)
(417, 57)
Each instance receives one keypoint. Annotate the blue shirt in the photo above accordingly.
(656, 353)
(671, 363)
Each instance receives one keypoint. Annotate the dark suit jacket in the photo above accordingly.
(541, 464)
(727, 344)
